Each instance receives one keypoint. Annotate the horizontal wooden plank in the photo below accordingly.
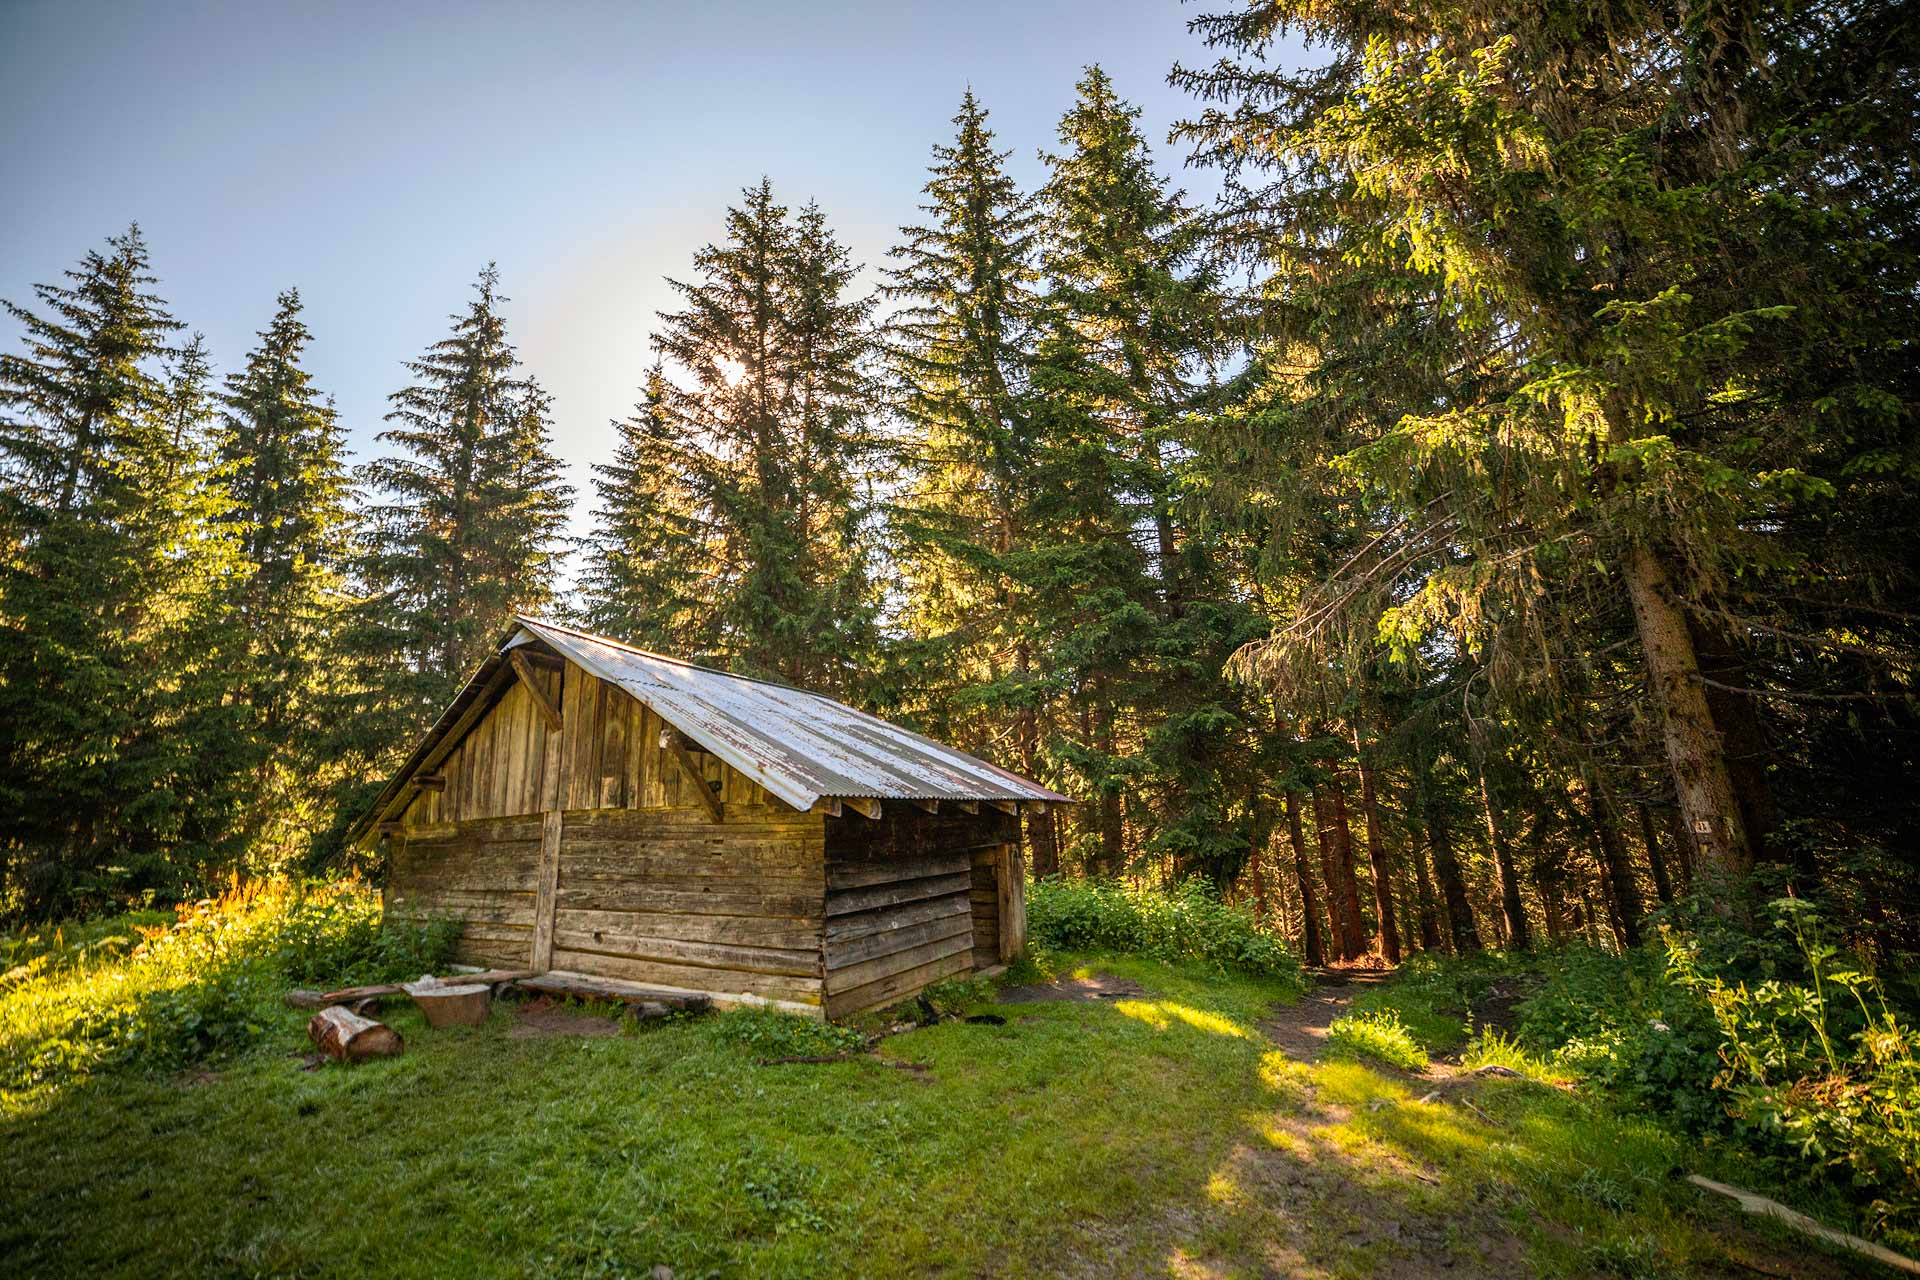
(847, 901)
(743, 823)
(845, 873)
(693, 977)
(898, 986)
(859, 924)
(799, 962)
(907, 938)
(886, 965)
(713, 897)
(514, 908)
(753, 931)
(653, 865)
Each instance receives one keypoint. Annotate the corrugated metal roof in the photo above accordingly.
(800, 746)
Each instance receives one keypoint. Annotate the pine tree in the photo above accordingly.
(767, 408)
(958, 351)
(120, 756)
(644, 577)
(1137, 601)
(281, 446)
(471, 529)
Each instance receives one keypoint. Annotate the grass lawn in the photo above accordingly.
(1165, 1135)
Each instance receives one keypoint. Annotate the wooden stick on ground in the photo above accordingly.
(1801, 1222)
(345, 1036)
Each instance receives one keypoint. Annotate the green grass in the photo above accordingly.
(1163, 1135)
(1379, 1035)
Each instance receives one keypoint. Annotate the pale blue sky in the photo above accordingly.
(377, 155)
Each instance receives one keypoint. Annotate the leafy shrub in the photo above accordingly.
(1183, 923)
(1821, 1073)
(210, 982)
(769, 1033)
(1376, 1034)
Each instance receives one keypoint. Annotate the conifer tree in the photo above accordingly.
(470, 528)
(644, 579)
(1145, 625)
(959, 350)
(767, 405)
(121, 760)
(281, 447)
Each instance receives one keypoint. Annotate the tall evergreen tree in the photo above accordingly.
(120, 757)
(959, 349)
(281, 447)
(767, 407)
(470, 529)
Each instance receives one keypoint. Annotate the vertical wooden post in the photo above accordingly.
(1010, 880)
(553, 780)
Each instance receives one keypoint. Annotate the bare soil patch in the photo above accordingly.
(544, 1017)
(1086, 990)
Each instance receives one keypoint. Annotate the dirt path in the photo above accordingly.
(1300, 1028)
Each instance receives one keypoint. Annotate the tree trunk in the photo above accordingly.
(1737, 716)
(1695, 754)
(1423, 889)
(1314, 952)
(1683, 851)
(1512, 909)
(1656, 856)
(1336, 858)
(345, 1036)
(1446, 869)
(1387, 928)
(1622, 893)
(1549, 880)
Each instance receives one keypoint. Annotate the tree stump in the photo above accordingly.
(345, 1036)
(464, 1005)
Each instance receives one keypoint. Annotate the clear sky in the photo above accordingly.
(378, 155)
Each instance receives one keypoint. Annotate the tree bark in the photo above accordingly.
(1336, 857)
(1549, 880)
(1423, 889)
(1512, 909)
(1696, 756)
(1656, 856)
(1387, 929)
(1446, 869)
(1742, 736)
(1315, 953)
(347, 1037)
(1622, 893)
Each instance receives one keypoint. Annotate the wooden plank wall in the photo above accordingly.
(899, 901)
(481, 873)
(613, 759)
(985, 898)
(665, 896)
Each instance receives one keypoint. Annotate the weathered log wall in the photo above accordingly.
(666, 896)
(481, 873)
(899, 902)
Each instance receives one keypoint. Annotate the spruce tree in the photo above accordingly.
(958, 351)
(469, 528)
(281, 446)
(767, 405)
(121, 759)
(645, 573)
(1134, 598)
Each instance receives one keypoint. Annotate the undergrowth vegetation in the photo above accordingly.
(1376, 1034)
(1181, 923)
(164, 990)
(1764, 1039)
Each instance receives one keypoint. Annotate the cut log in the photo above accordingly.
(301, 998)
(347, 1037)
(580, 986)
(347, 995)
(461, 1005)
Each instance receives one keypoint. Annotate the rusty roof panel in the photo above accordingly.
(800, 746)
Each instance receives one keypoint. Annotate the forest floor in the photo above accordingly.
(1139, 1119)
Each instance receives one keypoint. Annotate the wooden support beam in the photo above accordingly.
(862, 804)
(535, 689)
(388, 828)
(931, 806)
(551, 661)
(1005, 806)
(967, 806)
(430, 781)
(827, 805)
(675, 743)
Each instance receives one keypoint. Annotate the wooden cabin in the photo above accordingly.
(588, 808)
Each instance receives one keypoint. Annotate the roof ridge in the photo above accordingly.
(679, 662)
